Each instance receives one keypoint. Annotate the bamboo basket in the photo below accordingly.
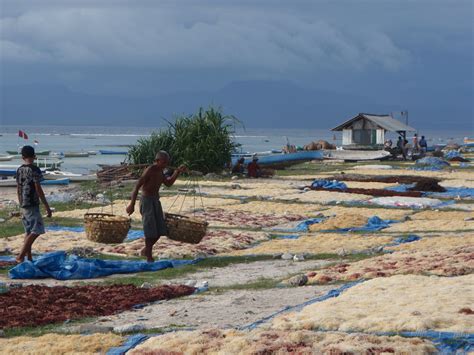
(185, 229)
(106, 228)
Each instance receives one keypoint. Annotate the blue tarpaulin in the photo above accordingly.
(374, 223)
(60, 266)
(132, 234)
(452, 154)
(329, 184)
(7, 258)
(430, 164)
(451, 192)
(132, 342)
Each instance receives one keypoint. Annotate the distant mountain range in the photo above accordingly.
(258, 104)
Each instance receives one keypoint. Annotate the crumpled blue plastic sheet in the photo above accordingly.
(451, 192)
(7, 258)
(132, 234)
(131, 342)
(452, 154)
(300, 227)
(374, 224)
(60, 266)
(296, 236)
(329, 184)
(445, 342)
(432, 161)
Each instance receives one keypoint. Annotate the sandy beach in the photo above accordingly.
(262, 265)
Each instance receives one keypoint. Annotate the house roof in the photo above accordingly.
(386, 122)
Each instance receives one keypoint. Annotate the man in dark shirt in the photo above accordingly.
(423, 144)
(28, 177)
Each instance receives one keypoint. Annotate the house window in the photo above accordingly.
(363, 136)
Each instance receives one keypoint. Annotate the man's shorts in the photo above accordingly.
(153, 218)
(32, 220)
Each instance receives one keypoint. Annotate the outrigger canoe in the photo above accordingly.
(280, 161)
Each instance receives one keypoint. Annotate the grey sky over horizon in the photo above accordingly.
(404, 51)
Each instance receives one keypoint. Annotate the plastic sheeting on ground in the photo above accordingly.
(451, 192)
(131, 343)
(7, 258)
(432, 161)
(409, 202)
(60, 266)
(374, 223)
(329, 184)
(132, 234)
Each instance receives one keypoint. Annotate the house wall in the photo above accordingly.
(380, 136)
(346, 136)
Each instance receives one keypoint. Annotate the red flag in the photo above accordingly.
(20, 133)
(25, 135)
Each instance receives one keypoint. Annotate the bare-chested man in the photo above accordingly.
(150, 205)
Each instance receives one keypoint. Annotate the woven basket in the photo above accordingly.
(106, 228)
(185, 229)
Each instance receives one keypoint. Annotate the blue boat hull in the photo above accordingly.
(282, 160)
(55, 182)
(7, 172)
(111, 152)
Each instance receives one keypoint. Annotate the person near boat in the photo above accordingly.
(30, 193)
(253, 169)
(239, 167)
(150, 206)
(423, 144)
(416, 146)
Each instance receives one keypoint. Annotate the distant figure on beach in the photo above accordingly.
(30, 193)
(239, 167)
(388, 144)
(405, 149)
(423, 144)
(416, 146)
(150, 206)
(253, 169)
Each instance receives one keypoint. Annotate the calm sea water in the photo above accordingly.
(82, 138)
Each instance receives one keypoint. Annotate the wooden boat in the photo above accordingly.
(354, 155)
(58, 175)
(76, 154)
(113, 152)
(6, 157)
(280, 161)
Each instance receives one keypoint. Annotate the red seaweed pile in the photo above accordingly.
(39, 305)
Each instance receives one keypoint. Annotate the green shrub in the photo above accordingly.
(203, 141)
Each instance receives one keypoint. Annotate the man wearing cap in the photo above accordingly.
(253, 169)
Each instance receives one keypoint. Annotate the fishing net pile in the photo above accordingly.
(330, 243)
(216, 341)
(397, 303)
(56, 344)
(452, 261)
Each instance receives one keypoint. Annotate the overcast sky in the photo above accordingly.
(405, 49)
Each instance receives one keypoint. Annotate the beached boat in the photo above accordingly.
(38, 152)
(7, 172)
(280, 161)
(92, 152)
(6, 157)
(57, 175)
(76, 154)
(64, 181)
(48, 164)
(113, 152)
(11, 182)
(354, 155)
